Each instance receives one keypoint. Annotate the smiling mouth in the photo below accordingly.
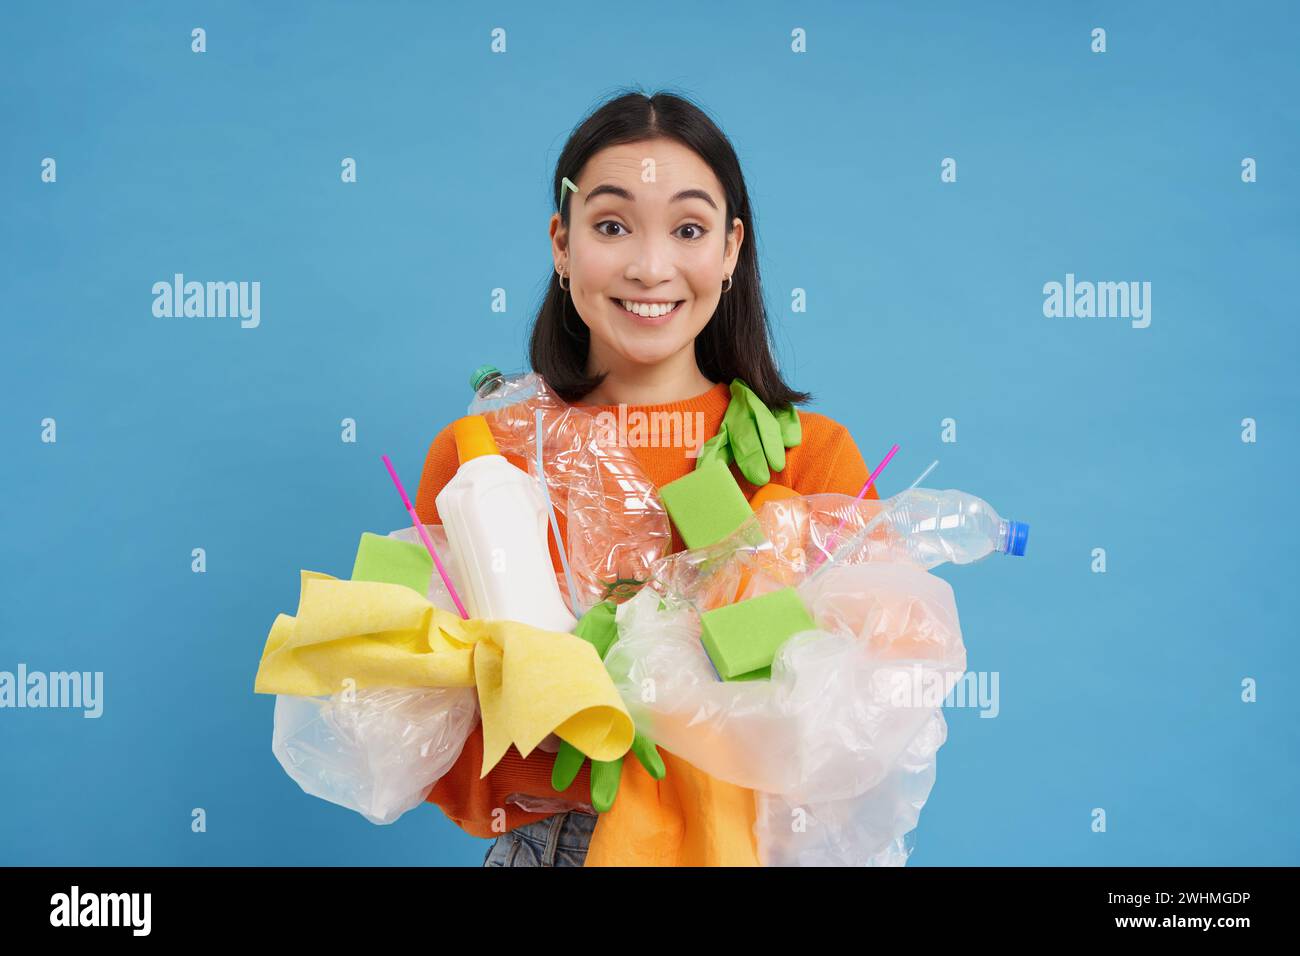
(662, 317)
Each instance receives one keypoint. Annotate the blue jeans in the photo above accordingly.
(558, 840)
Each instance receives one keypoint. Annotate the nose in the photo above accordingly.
(652, 261)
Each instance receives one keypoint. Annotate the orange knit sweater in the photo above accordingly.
(826, 460)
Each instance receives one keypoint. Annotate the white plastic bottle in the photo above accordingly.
(495, 519)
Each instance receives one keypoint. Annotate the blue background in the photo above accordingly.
(1118, 690)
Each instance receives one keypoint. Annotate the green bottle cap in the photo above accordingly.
(481, 375)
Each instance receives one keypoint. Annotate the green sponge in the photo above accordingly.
(396, 562)
(743, 638)
(706, 505)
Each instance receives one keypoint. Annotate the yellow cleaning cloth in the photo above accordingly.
(530, 682)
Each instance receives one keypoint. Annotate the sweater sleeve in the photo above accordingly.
(848, 470)
(831, 461)
(439, 466)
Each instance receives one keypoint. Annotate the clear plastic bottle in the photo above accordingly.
(494, 390)
(922, 526)
(928, 527)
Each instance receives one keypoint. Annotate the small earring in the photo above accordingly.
(727, 287)
(562, 276)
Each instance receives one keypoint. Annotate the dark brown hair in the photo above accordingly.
(736, 342)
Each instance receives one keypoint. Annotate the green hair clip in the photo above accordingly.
(566, 183)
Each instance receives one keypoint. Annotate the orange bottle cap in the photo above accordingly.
(473, 438)
(771, 492)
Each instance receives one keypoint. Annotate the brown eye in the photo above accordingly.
(698, 228)
(608, 222)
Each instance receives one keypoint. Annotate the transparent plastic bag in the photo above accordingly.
(827, 726)
(616, 526)
(870, 829)
(838, 746)
(378, 752)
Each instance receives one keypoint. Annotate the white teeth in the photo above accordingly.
(648, 310)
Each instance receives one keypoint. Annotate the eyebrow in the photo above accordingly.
(622, 193)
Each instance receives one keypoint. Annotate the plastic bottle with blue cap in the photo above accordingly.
(931, 527)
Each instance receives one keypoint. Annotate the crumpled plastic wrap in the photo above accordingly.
(838, 745)
(825, 726)
(377, 751)
(616, 526)
(870, 829)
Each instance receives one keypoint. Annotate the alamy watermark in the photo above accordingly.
(919, 686)
(76, 908)
(640, 429)
(82, 690)
(1102, 300)
(209, 300)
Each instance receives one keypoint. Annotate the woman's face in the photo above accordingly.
(645, 229)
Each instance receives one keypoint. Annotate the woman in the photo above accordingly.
(655, 306)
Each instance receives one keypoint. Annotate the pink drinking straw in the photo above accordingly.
(424, 536)
(830, 542)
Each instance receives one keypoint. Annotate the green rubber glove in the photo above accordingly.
(598, 629)
(605, 774)
(752, 436)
